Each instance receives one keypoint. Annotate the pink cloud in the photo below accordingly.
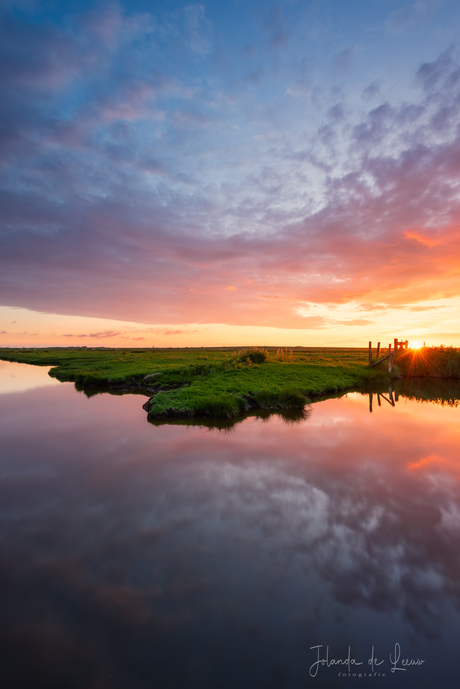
(129, 105)
(105, 214)
(99, 335)
(171, 331)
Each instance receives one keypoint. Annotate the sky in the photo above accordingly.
(235, 173)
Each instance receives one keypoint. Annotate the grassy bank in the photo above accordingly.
(108, 366)
(430, 362)
(214, 382)
(237, 384)
(226, 383)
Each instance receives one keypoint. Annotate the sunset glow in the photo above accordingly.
(229, 174)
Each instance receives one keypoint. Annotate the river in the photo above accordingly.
(317, 553)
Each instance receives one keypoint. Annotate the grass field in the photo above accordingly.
(225, 382)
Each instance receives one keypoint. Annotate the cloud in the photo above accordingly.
(171, 331)
(444, 72)
(336, 113)
(343, 515)
(199, 30)
(343, 60)
(423, 308)
(274, 27)
(355, 321)
(119, 194)
(400, 19)
(372, 90)
(98, 335)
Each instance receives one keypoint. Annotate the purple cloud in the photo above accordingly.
(144, 198)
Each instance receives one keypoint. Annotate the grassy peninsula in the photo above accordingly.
(205, 381)
(226, 383)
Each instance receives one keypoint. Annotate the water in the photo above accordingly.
(134, 555)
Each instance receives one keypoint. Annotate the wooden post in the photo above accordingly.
(390, 365)
(370, 402)
(389, 348)
(396, 343)
(378, 350)
(396, 396)
(406, 344)
(370, 353)
(378, 400)
(390, 395)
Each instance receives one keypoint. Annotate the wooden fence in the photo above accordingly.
(391, 399)
(397, 345)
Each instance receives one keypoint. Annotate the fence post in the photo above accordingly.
(378, 350)
(370, 353)
(390, 395)
(390, 365)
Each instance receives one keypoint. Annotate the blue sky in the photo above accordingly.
(291, 167)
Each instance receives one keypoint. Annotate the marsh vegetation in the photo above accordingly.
(221, 382)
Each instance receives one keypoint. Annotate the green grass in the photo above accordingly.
(231, 390)
(105, 367)
(430, 362)
(225, 382)
(212, 382)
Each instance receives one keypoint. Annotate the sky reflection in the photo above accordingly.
(201, 558)
(16, 377)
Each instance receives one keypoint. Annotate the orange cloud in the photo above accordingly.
(423, 462)
(420, 238)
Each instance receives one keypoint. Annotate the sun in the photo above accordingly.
(416, 344)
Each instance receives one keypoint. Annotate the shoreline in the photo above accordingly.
(197, 383)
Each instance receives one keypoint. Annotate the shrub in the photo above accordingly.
(284, 354)
(251, 355)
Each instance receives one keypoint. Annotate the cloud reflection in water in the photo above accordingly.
(192, 555)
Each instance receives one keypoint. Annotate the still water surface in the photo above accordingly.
(134, 555)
